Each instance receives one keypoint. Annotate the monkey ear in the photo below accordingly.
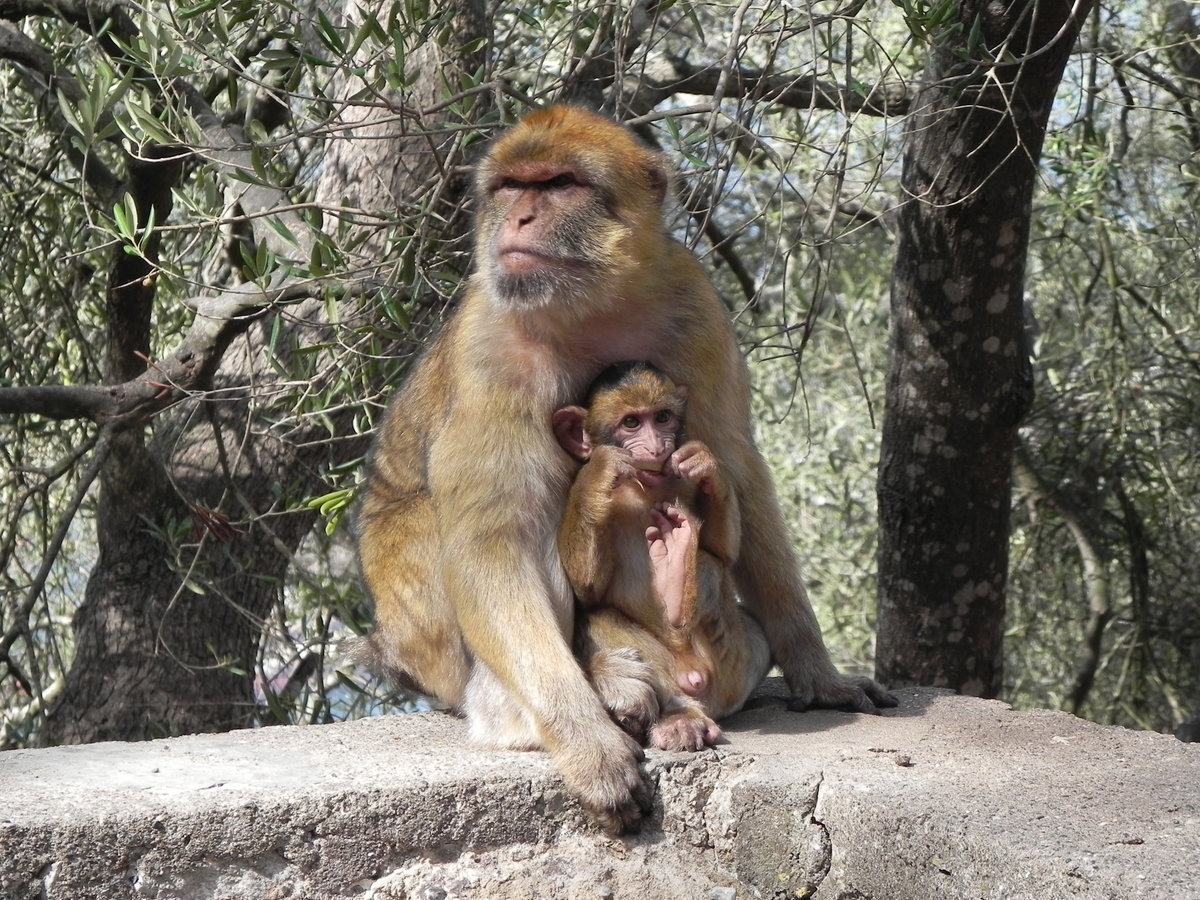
(658, 175)
(681, 393)
(568, 429)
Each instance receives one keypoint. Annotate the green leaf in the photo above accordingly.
(190, 12)
(126, 216)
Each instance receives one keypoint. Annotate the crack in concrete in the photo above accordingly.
(823, 838)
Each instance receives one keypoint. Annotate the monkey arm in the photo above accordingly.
(586, 556)
(715, 502)
(585, 541)
(721, 534)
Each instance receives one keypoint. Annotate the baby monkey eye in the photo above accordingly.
(630, 422)
(663, 416)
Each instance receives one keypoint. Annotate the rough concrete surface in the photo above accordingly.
(947, 797)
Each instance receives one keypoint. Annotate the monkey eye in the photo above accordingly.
(630, 422)
(566, 179)
(663, 416)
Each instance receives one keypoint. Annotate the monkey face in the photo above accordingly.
(551, 235)
(568, 202)
(650, 437)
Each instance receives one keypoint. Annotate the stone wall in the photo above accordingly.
(947, 797)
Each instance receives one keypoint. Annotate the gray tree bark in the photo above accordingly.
(959, 374)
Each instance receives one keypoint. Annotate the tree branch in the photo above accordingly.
(87, 15)
(21, 616)
(57, 401)
(42, 80)
(228, 146)
(794, 92)
(219, 319)
(1093, 557)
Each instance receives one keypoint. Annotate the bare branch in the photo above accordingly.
(219, 319)
(56, 401)
(723, 246)
(794, 92)
(87, 15)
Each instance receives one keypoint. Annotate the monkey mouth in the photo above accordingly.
(517, 260)
(649, 472)
(649, 465)
(520, 261)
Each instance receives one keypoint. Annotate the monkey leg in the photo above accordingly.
(685, 729)
(728, 651)
(634, 675)
(626, 666)
(666, 718)
(625, 684)
(417, 640)
(741, 660)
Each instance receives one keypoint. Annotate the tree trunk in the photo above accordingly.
(189, 568)
(192, 549)
(959, 375)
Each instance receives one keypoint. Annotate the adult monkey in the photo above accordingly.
(467, 484)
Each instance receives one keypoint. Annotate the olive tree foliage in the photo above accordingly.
(1100, 614)
(209, 298)
(1103, 610)
(229, 227)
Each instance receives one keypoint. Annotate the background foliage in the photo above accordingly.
(786, 121)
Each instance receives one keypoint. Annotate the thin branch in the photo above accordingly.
(37, 67)
(794, 92)
(1095, 571)
(723, 246)
(219, 319)
(21, 615)
(229, 147)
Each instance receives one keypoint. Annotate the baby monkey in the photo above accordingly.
(648, 538)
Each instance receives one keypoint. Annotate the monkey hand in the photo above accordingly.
(685, 730)
(848, 693)
(694, 462)
(603, 774)
(614, 465)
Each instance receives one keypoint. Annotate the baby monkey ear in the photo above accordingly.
(570, 433)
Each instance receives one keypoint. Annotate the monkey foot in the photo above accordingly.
(846, 693)
(685, 731)
(671, 541)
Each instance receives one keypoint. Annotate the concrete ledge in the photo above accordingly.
(948, 797)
